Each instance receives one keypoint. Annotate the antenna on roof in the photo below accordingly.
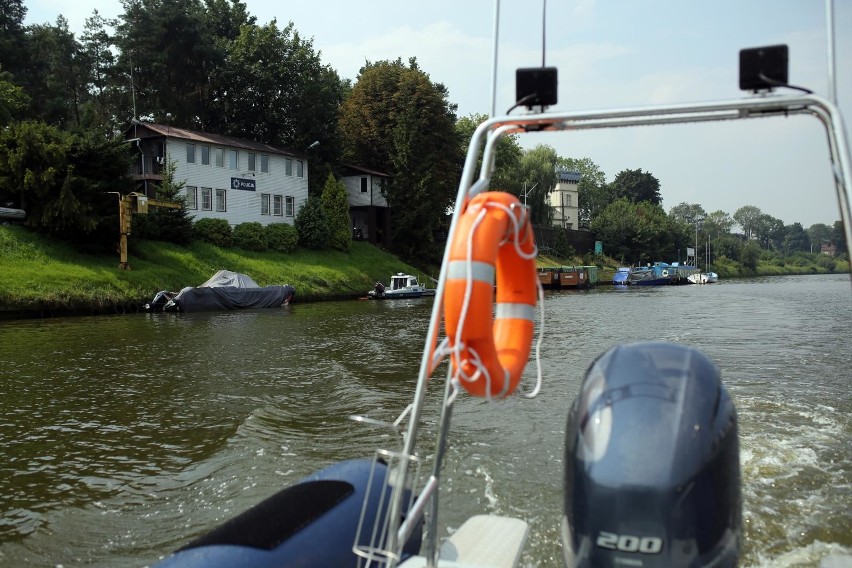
(829, 16)
(494, 58)
(132, 87)
(543, 29)
(536, 86)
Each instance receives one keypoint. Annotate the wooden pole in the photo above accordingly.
(125, 216)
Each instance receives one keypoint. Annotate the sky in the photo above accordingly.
(610, 54)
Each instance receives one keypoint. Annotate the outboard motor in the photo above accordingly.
(652, 472)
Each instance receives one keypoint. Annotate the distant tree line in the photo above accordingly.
(208, 65)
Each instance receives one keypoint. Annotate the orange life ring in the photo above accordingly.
(493, 237)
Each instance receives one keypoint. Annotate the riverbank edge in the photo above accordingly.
(97, 289)
(48, 310)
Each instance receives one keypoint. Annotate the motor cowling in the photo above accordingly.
(652, 473)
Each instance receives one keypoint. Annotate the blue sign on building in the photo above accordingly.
(244, 184)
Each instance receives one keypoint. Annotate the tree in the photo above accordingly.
(635, 232)
(687, 213)
(398, 122)
(537, 173)
(312, 225)
(335, 204)
(13, 39)
(507, 159)
(819, 234)
(171, 54)
(796, 239)
(101, 80)
(636, 186)
(13, 100)
(273, 88)
(750, 254)
(56, 75)
(165, 223)
(226, 17)
(747, 218)
(593, 193)
(62, 180)
(838, 237)
(718, 223)
(769, 232)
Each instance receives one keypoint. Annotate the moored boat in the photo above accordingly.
(660, 274)
(225, 290)
(703, 278)
(401, 286)
(620, 278)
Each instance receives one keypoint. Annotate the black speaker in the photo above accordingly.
(535, 86)
(762, 68)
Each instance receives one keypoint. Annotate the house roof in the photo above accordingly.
(137, 130)
(569, 175)
(349, 170)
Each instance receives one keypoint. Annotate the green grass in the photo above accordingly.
(40, 273)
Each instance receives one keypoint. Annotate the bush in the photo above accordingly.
(335, 204)
(282, 237)
(250, 236)
(825, 261)
(312, 225)
(214, 231)
(750, 253)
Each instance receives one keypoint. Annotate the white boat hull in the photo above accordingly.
(703, 278)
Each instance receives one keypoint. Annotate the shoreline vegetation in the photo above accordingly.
(46, 278)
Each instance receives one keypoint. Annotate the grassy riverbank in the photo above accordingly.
(46, 277)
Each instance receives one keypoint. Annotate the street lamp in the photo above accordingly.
(310, 147)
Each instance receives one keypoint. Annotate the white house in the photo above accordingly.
(564, 200)
(226, 178)
(368, 208)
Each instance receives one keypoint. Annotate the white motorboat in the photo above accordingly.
(703, 278)
(401, 286)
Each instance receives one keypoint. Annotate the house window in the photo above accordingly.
(190, 153)
(288, 167)
(220, 157)
(205, 155)
(251, 158)
(289, 206)
(277, 202)
(363, 185)
(232, 159)
(568, 200)
(206, 199)
(264, 163)
(300, 168)
(191, 197)
(264, 204)
(220, 200)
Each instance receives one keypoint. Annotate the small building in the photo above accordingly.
(828, 249)
(225, 177)
(564, 199)
(368, 208)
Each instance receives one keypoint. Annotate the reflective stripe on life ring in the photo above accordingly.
(489, 350)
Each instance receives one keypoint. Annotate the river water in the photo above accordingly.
(121, 437)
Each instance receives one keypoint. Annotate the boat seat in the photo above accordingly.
(483, 541)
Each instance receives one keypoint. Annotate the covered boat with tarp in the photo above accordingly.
(225, 290)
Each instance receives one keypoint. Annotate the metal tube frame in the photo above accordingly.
(484, 141)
